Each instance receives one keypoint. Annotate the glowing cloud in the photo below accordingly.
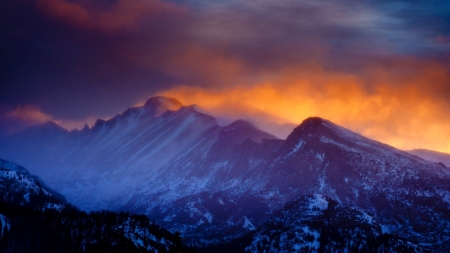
(29, 114)
(402, 111)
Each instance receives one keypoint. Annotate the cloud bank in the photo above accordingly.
(380, 68)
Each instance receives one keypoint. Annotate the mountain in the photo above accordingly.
(35, 219)
(17, 186)
(131, 147)
(159, 105)
(432, 156)
(240, 130)
(315, 223)
(188, 174)
(408, 195)
(119, 156)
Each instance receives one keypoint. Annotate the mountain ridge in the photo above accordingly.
(432, 156)
(185, 171)
(34, 218)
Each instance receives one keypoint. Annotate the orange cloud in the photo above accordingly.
(405, 109)
(29, 114)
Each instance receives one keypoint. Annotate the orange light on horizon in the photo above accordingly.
(402, 115)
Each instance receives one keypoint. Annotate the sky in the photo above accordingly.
(379, 68)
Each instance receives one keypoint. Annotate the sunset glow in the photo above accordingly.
(377, 68)
(401, 112)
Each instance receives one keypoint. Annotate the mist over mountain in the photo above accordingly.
(215, 184)
(433, 156)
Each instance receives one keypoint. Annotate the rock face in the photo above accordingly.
(214, 184)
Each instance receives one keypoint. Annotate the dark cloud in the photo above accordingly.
(73, 70)
(74, 59)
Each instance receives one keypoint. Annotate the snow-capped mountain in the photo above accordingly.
(19, 187)
(213, 184)
(34, 218)
(407, 195)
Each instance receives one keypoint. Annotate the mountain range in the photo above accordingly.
(216, 184)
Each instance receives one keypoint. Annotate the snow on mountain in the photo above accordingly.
(407, 195)
(315, 223)
(34, 218)
(115, 156)
(13, 167)
(5, 225)
(18, 186)
(132, 153)
(432, 156)
(184, 171)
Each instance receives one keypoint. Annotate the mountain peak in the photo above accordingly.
(159, 105)
(48, 127)
(240, 130)
(313, 122)
(311, 125)
(51, 124)
(318, 127)
(166, 102)
(12, 166)
(239, 124)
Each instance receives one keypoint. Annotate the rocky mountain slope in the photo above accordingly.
(315, 223)
(17, 186)
(183, 170)
(34, 218)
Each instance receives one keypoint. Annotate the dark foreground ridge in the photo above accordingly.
(33, 219)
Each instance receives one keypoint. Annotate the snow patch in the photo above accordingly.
(319, 202)
(4, 222)
(356, 193)
(365, 217)
(26, 197)
(320, 157)
(385, 229)
(53, 206)
(169, 217)
(446, 197)
(296, 148)
(208, 216)
(316, 243)
(248, 224)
